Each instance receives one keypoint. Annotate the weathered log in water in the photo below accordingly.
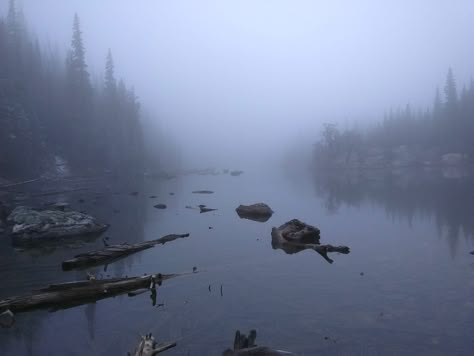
(149, 347)
(114, 252)
(71, 294)
(296, 236)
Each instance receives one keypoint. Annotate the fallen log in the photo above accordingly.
(71, 294)
(149, 347)
(114, 252)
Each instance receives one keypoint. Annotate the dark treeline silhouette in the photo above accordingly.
(50, 111)
(406, 137)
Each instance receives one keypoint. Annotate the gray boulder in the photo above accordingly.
(34, 226)
(258, 212)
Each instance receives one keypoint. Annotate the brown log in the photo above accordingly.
(114, 252)
(66, 295)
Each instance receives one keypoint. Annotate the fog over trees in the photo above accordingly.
(51, 111)
(406, 136)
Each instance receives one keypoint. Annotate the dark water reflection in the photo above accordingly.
(402, 290)
(409, 195)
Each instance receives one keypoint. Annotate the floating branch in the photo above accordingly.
(114, 252)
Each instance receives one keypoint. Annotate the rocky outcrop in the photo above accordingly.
(258, 212)
(296, 236)
(297, 231)
(30, 226)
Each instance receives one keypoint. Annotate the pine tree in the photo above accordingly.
(437, 106)
(451, 94)
(110, 84)
(76, 61)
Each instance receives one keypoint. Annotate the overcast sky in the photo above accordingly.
(221, 74)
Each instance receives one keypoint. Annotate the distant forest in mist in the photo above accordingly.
(406, 137)
(50, 110)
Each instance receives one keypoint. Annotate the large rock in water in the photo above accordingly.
(258, 212)
(30, 226)
(297, 231)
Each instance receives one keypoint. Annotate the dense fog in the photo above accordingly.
(233, 82)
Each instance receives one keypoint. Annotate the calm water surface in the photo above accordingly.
(407, 287)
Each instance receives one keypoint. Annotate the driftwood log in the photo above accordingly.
(245, 346)
(296, 236)
(71, 294)
(149, 347)
(114, 252)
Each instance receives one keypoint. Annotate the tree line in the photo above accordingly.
(421, 135)
(50, 111)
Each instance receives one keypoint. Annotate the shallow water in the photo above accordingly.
(407, 286)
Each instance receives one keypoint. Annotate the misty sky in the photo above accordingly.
(219, 74)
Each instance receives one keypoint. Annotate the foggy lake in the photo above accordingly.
(265, 178)
(405, 288)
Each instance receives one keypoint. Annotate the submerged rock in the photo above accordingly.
(33, 226)
(236, 173)
(160, 206)
(258, 212)
(7, 319)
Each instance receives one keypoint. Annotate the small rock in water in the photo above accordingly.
(171, 193)
(7, 319)
(260, 212)
(210, 227)
(203, 192)
(194, 269)
(134, 194)
(361, 273)
(472, 252)
(81, 201)
(160, 206)
(153, 196)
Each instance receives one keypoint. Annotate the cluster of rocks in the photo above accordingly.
(29, 226)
